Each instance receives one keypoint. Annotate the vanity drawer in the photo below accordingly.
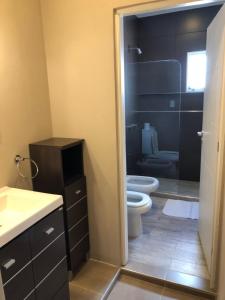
(48, 259)
(49, 287)
(31, 296)
(63, 294)
(45, 231)
(78, 231)
(21, 285)
(76, 212)
(78, 253)
(14, 256)
(75, 191)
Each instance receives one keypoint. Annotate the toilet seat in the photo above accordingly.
(135, 199)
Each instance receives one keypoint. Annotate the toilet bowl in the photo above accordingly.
(137, 204)
(142, 184)
(157, 167)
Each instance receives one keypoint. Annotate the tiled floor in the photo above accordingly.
(131, 289)
(92, 281)
(167, 245)
(178, 188)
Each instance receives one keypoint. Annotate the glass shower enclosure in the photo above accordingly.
(152, 137)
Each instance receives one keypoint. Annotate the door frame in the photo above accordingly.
(156, 7)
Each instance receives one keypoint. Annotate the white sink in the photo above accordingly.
(20, 209)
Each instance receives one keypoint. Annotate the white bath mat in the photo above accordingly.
(181, 209)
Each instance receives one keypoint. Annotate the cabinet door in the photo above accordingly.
(50, 286)
(14, 256)
(63, 293)
(45, 231)
(32, 296)
(78, 231)
(76, 212)
(75, 191)
(48, 259)
(78, 253)
(21, 285)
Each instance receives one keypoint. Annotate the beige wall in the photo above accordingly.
(80, 61)
(79, 47)
(24, 99)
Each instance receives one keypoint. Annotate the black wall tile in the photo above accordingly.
(167, 126)
(163, 37)
(190, 146)
(156, 102)
(192, 101)
(157, 48)
(132, 136)
(130, 38)
(195, 20)
(161, 25)
(159, 77)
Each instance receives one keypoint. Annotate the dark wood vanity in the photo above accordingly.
(33, 265)
(61, 171)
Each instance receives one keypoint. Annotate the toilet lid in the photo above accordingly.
(136, 199)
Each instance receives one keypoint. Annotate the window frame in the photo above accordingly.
(188, 89)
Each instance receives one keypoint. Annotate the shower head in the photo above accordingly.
(138, 50)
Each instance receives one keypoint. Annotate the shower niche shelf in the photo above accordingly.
(169, 93)
(159, 93)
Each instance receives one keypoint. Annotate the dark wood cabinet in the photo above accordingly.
(47, 230)
(11, 260)
(20, 286)
(49, 288)
(34, 265)
(61, 171)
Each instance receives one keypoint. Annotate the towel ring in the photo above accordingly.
(19, 159)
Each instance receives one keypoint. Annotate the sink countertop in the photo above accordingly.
(20, 209)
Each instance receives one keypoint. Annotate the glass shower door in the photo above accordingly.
(158, 117)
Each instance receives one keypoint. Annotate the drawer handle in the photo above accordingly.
(78, 192)
(9, 263)
(50, 230)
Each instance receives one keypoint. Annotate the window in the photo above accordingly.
(196, 71)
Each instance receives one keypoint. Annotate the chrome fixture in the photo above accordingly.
(139, 52)
(19, 159)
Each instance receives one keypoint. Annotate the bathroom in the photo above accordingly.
(58, 82)
(164, 95)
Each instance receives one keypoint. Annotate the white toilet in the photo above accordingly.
(142, 184)
(137, 204)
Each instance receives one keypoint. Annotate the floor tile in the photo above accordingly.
(167, 243)
(178, 187)
(155, 270)
(94, 276)
(134, 289)
(170, 294)
(130, 288)
(189, 268)
(77, 292)
(188, 280)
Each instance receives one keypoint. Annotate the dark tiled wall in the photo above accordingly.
(132, 133)
(171, 36)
